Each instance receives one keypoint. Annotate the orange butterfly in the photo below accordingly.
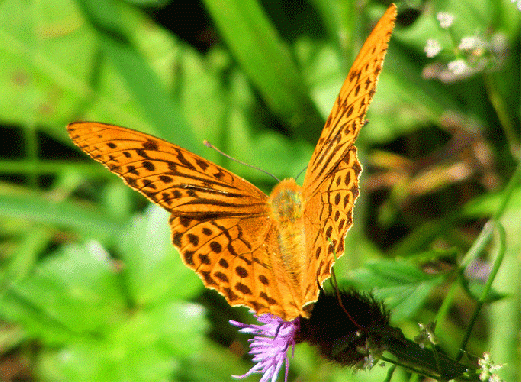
(267, 253)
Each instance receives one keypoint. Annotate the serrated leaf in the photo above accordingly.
(402, 286)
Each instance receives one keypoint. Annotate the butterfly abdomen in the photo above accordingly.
(287, 214)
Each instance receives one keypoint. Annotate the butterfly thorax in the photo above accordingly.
(286, 213)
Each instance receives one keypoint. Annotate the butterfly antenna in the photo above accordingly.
(208, 144)
(301, 171)
(337, 293)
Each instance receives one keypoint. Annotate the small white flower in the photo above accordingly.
(458, 67)
(97, 250)
(469, 43)
(432, 48)
(445, 19)
(499, 43)
(488, 368)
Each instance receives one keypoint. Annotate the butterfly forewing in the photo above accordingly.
(348, 113)
(174, 178)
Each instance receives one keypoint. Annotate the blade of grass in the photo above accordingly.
(66, 214)
(161, 109)
(264, 57)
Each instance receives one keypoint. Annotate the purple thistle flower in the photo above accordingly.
(270, 344)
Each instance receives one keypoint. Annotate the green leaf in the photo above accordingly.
(475, 289)
(487, 204)
(154, 270)
(267, 61)
(74, 291)
(144, 347)
(402, 286)
(37, 71)
(35, 207)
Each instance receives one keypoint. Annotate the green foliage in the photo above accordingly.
(91, 287)
(402, 286)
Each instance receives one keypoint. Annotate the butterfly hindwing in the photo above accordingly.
(238, 258)
(329, 214)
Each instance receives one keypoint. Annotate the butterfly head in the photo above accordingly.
(286, 202)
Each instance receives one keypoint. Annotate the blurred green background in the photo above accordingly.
(92, 289)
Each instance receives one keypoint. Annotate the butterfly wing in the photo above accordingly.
(219, 221)
(331, 182)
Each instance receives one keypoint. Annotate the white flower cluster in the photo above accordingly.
(488, 368)
(473, 54)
